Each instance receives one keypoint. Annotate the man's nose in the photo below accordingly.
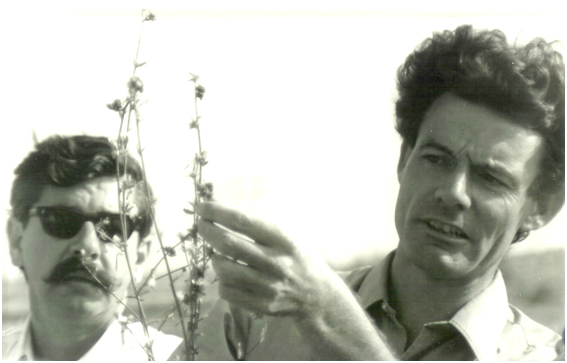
(86, 243)
(454, 191)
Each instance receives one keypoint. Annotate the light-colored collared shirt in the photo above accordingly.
(486, 328)
(118, 343)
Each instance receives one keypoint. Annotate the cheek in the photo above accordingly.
(40, 253)
(499, 221)
(400, 212)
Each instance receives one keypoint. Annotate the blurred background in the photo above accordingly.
(297, 118)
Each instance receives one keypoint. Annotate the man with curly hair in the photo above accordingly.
(482, 164)
(66, 234)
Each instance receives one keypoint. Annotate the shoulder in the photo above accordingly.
(525, 339)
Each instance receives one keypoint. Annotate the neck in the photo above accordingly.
(59, 336)
(420, 299)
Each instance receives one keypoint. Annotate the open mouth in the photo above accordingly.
(447, 229)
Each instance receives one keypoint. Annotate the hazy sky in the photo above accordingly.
(297, 117)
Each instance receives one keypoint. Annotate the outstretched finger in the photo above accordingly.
(260, 231)
(227, 243)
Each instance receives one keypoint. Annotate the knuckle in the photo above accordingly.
(243, 222)
(283, 265)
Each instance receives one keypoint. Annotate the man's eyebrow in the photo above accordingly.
(436, 145)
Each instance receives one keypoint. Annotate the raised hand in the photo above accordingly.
(262, 270)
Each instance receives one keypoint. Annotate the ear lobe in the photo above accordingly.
(545, 209)
(15, 231)
(405, 152)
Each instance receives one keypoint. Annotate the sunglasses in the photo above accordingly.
(64, 223)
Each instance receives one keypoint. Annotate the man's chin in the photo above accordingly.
(83, 300)
(442, 265)
(76, 293)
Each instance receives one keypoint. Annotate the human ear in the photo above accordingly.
(15, 231)
(546, 207)
(405, 152)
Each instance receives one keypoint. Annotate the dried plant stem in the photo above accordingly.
(152, 215)
(122, 198)
(124, 188)
(196, 255)
(152, 271)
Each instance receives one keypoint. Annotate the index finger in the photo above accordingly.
(261, 232)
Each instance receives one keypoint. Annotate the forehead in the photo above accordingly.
(95, 195)
(480, 133)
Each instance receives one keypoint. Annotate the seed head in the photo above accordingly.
(135, 84)
(150, 17)
(199, 92)
(115, 105)
(205, 190)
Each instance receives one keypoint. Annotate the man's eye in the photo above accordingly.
(491, 179)
(434, 159)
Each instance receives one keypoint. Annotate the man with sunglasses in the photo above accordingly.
(482, 164)
(66, 234)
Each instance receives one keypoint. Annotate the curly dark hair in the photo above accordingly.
(66, 161)
(525, 83)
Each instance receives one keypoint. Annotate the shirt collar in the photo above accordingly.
(109, 343)
(480, 321)
(374, 288)
(24, 349)
(483, 318)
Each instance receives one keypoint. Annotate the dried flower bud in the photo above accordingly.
(201, 158)
(150, 17)
(198, 273)
(194, 77)
(205, 190)
(193, 231)
(135, 84)
(194, 124)
(187, 299)
(115, 105)
(170, 251)
(199, 92)
(209, 251)
(196, 287)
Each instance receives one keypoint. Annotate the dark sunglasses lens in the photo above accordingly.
(61, 223)
(112, 226)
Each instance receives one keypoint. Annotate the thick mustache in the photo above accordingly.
(74, 264)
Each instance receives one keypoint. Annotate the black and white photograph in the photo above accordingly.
(283, 181)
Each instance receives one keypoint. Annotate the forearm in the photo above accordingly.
(337, 328)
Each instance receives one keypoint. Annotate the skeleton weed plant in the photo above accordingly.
(197, 253)
(125, 109)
